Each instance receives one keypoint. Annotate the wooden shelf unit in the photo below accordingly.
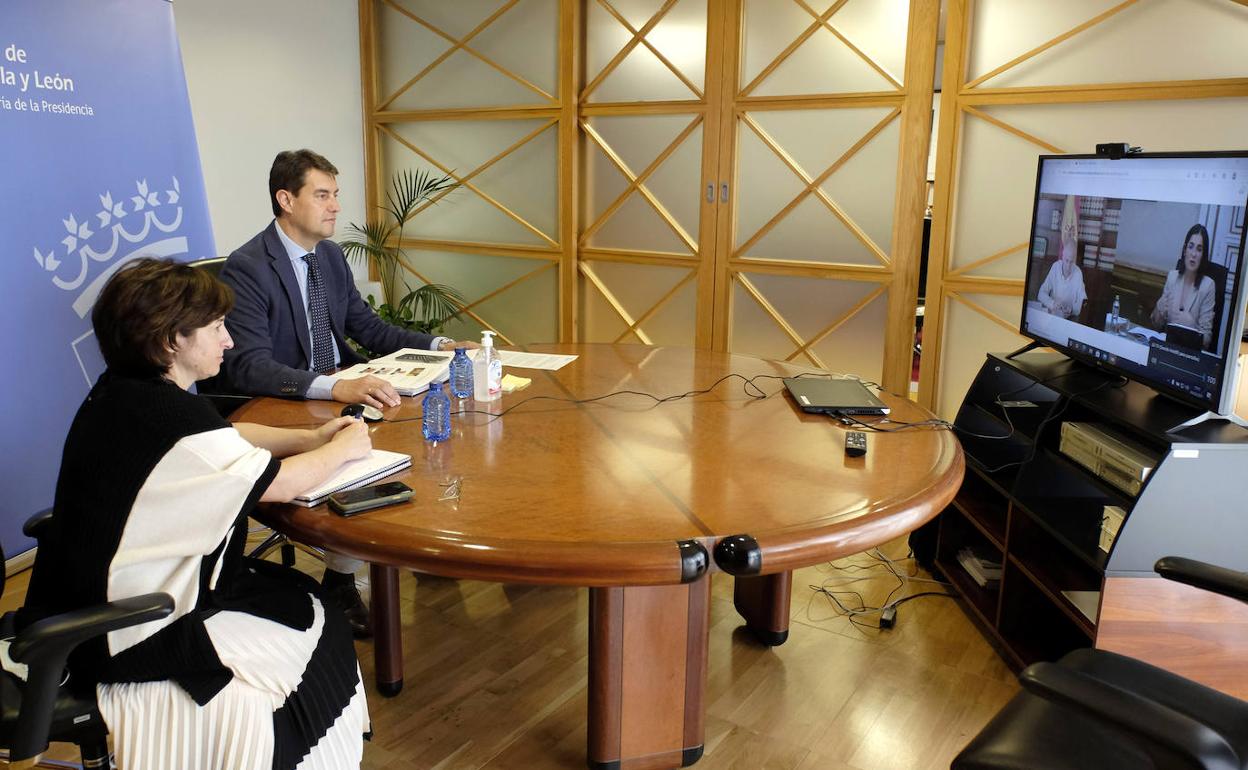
(1026, 505)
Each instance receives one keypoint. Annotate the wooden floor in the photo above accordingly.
(496, 678)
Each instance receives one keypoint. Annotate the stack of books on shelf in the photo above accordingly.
(1089, 230)
(985, 573)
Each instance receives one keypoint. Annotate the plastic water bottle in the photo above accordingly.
(1115, 316)
(461, 374)
(435, 424)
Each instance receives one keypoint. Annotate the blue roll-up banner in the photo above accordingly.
(99, 165)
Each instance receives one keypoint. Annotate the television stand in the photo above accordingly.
(1031, 516)
(1234, 419)
(1029, 346)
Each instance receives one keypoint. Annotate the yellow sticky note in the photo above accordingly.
(512, 383)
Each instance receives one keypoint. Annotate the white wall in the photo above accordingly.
(265, 77)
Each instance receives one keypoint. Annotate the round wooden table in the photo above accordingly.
(642, 503)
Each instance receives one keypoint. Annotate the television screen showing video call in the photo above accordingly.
(1135, 265)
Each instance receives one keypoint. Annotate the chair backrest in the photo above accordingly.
(211, 264)
(1100, 297)
(1218, 274)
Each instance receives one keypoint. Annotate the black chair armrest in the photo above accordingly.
(37, 525)
(1151, 725)
(1220, 580)
(44, 647)
(53, 637)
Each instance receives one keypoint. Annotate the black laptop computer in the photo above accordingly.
(827, 396)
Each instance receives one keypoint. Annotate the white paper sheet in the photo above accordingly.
(520, 360)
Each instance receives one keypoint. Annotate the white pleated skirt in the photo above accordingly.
(156, 725)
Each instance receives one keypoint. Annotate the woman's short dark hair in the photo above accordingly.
(288, 172)
(143, 308)
(1181, 265)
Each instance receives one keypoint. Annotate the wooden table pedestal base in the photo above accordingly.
(647, 661)
(647, 675)
(764, 603)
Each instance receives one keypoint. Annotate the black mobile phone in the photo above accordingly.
(421, 358)
(355, 501)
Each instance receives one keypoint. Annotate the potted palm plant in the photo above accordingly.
(378, 242)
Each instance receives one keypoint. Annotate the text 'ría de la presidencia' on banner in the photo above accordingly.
(24, 87)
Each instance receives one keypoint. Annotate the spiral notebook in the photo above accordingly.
(356, 473)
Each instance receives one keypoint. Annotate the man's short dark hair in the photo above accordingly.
(145, 305)
(290, 167)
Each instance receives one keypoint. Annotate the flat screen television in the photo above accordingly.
(1135, 265)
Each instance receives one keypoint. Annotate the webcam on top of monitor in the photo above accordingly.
(1115, 150)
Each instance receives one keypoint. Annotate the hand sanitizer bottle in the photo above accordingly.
(487, 371)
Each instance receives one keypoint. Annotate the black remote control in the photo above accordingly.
(855, 443)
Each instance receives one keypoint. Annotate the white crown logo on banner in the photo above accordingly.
(119, 236)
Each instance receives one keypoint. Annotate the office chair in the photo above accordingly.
(1097, 709)
(226, 403)
(37, 707)
(1218, 274)
(211, 264)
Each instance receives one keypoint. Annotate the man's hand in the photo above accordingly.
(368, 389)
(463, 344)
(353, 440)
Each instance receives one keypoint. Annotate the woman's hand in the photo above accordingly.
(351, 439)
(1184, 318)
(345, 439)
(331, 429)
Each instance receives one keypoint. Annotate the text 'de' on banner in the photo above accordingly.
(99, 166)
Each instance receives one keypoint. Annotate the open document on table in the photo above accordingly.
(409, 370)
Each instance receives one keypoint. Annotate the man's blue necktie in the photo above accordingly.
(318, 312)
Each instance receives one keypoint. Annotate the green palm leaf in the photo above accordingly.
(436, 303)
(379, 242)
(369, 243)
(408, 189)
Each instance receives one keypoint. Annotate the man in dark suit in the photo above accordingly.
(295, 307)
(275, 344)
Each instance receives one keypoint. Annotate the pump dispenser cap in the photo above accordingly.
(487, 339)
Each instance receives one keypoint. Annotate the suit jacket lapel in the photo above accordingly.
(281, 265)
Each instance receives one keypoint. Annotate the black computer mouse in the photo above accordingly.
(369, 413)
